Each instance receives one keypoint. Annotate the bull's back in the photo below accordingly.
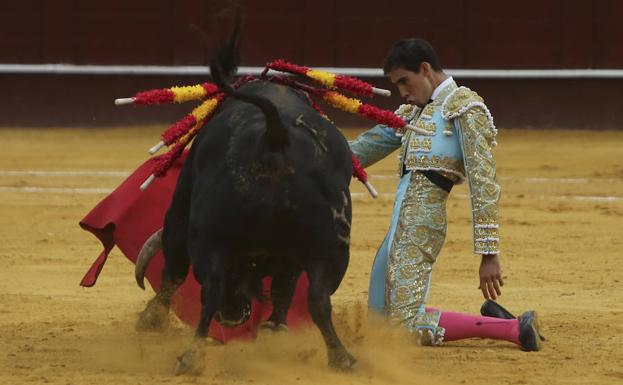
(243, 190)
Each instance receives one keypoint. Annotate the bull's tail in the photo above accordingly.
(150, 248)
(223, 66)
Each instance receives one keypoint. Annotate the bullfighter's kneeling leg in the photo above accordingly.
(522, 331)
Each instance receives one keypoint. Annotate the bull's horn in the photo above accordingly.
(151, 247)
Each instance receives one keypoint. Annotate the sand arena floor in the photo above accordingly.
(561, 215)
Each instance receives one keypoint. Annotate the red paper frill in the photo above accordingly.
(385, 117)
(160, 96)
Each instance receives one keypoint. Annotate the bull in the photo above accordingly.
(264, 192)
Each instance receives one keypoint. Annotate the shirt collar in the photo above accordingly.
(441, 87)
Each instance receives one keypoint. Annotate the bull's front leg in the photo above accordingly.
(282, 290)
(155, 316)
(192, 361)
(320, 310)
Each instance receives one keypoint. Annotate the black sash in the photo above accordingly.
(439, 180)
(436, 178)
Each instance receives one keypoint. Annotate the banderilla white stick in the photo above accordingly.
(156, 147)
(417, 129)
(371, 190)
(381, 91)
(147, 182)
(122, 101)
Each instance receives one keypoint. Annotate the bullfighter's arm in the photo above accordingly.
(375, 144)
(380, 141)
(477, 136)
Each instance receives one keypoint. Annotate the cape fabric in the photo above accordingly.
(128, 216)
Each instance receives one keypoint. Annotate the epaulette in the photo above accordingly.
(459, 101)
(462, 100)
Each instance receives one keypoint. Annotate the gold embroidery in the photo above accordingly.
(445, 163)
(403, 151)
(420, 144)
(420, 233)
(405, 111)
(448, 129)
(428, 111)
(482, 233)
(428, 125)
(459, 99)
(480, 166)
(488, 247)
(436, 196)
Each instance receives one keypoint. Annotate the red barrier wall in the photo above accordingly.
(346, 33)
(474, 34)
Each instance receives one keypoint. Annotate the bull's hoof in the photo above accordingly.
(341, 360)
(274, 327)
(190, 362)
(155, 317)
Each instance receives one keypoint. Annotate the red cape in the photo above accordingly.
(128, 216)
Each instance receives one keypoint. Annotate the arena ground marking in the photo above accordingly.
(63, 173)
(355, 195)
(117, 174)
(56, 190)
(120, 173)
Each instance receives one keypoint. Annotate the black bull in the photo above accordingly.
(264, 192)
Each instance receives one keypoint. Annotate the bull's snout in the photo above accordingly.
(233, 316)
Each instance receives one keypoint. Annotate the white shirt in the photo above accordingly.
(440, 87)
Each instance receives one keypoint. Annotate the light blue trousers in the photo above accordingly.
(425, 225)
(376, 291)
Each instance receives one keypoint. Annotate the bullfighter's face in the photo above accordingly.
(415, 87)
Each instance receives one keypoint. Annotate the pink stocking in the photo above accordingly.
(460, 326)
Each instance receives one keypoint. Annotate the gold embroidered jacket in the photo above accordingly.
(461, 135)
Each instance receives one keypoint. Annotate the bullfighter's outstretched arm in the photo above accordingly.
(375, 144)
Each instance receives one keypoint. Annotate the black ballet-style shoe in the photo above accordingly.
(529, 336)
(493, 309)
